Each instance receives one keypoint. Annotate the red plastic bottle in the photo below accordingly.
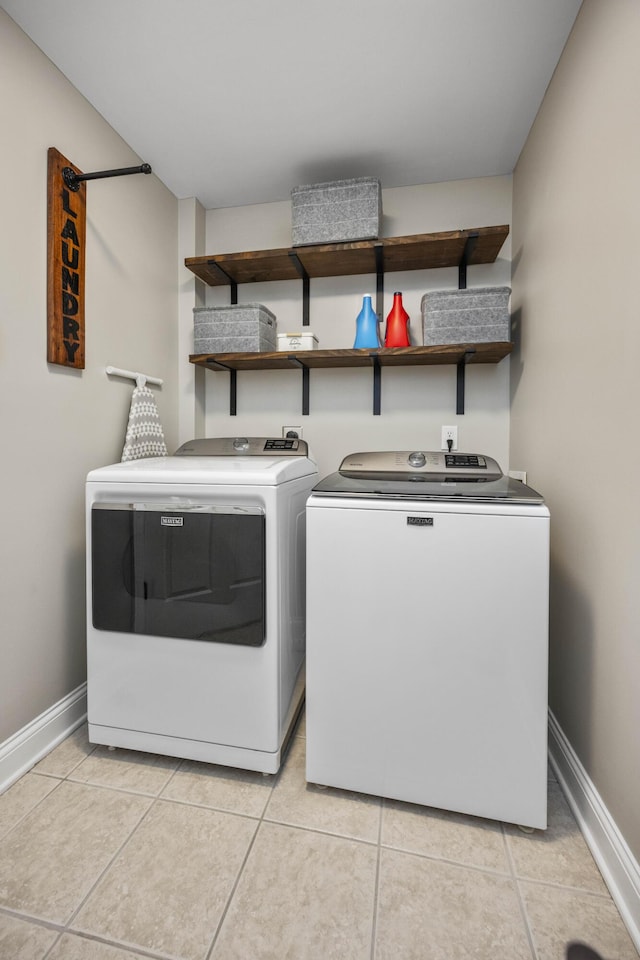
(397, 332)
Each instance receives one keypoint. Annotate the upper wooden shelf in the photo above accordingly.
(424, 251)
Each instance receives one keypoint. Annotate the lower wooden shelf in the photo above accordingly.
(459, 354)
(386, 356)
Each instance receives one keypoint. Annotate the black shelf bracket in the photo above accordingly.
(305, 383)
(73, 180)
(233, 286)
(233, 392)
(378, 251)
(216, 365)
(306, 287)
(377, 384)
(460, 379)
(464, 260)
(233, 384)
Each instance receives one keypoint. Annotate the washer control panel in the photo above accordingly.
(472, 460)
(432, 464)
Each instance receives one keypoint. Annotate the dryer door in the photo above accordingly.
(194, 573)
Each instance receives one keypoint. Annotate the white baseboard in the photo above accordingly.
(21, 751)
(619, 868)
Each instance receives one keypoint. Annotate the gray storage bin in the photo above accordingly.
(241, 328)
(477, 315)
(336, 211)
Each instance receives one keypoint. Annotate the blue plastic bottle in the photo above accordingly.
(366, 327)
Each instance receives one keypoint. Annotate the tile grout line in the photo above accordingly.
(376, 888)
(434, 858)
(232, 894)
(521, 904)
(64, 927)
(38, 922)
(25, 917)
(155, 800)
(45, 773)
(457, 864)
(31, 809)
(47, 776)
(323, 833)
(230, 898)
(112, 860)
(555, 885)
(134, 949)
(55, 943)
(16, 914)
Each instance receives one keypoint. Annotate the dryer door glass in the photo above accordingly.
(195, 573)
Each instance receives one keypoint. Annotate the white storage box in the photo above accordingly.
(241, 328)
(336, 211)
(476, 315)
(297, 341)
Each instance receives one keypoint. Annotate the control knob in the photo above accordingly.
(240, 443)
(417, 459)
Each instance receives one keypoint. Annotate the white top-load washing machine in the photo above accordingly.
(196, 600)
(427, 634)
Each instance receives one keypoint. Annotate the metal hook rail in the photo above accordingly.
(73, 179)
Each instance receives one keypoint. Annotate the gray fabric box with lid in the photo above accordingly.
(241, 328)
(336, 211)
(476, 315)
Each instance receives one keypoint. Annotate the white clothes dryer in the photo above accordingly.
(196, 600)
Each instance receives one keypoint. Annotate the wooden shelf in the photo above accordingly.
(425, 251)
(459, 354)
(385, 356)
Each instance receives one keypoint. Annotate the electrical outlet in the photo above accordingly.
(292, 431)
(449, 433)
(518, 475)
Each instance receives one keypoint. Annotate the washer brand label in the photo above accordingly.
(171, 521)
(420, 521)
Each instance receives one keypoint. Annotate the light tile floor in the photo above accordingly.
(120, 855)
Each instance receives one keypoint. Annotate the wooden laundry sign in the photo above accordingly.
(66, 236)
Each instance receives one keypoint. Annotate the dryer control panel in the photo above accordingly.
(399, 463)
(244, 447)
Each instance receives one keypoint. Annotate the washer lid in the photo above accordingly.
(424, 487)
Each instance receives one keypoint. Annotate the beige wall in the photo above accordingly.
(416, 401)
(575, 404)
(59, 423)
(575, 251)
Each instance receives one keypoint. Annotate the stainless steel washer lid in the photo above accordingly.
(424, 475)
(420, 488)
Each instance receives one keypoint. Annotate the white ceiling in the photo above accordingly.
(238, 101)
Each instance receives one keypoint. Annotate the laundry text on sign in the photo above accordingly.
(70, 255)
(65, 268)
